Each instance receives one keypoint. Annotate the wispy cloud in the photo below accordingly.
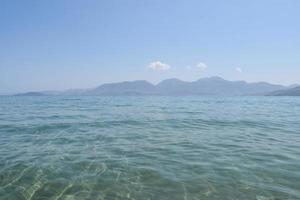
(201, 66)
(157, 65)
(238, 69)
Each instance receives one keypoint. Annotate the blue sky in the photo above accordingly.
(61, 44)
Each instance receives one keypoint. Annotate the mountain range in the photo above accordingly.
(176, 87)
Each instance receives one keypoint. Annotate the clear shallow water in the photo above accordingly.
(150, 148)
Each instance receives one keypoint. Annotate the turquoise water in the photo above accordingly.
(156, 148)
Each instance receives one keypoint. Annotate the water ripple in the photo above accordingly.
(149, 148)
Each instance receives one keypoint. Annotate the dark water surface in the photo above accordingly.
(155, 148)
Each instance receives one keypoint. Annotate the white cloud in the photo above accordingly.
(238, 69)
(202, 66)
(157, 65)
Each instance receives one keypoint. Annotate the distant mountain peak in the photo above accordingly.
(212, 78)
(171, 80)
(137, 81)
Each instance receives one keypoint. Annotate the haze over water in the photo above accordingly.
(140, 148)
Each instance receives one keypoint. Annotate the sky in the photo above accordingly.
(64, 44)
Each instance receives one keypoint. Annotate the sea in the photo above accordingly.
(149, 148)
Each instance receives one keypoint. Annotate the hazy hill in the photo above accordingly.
(124, 88)
(287, 92)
